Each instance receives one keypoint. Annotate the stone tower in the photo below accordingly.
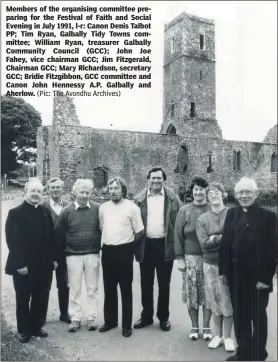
(189, 99)
(53, 140)
(64, 112)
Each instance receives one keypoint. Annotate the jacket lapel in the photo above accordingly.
(144, 211)
(26, 221)
(44, 220)
(166, 212)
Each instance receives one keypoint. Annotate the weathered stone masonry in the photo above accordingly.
(187, 145)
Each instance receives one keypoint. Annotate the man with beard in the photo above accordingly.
(32, 256)
(159, 207)
(247, 262)
(122, 228)
(55, 205)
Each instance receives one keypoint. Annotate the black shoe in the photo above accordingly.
(257, 357)
(23, 338)
(126, 332)
(235, 357)
(65, 318)
(165, 326)
(40, 333)
(141, 323)
(106, 328)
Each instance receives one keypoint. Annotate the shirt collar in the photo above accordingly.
(162, 192)
(29, 203)
(53, 203)
(250, 208)
(77, 206)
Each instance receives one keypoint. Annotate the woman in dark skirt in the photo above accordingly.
(209, 230)
(190, 261)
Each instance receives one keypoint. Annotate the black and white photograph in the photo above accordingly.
(139, 180)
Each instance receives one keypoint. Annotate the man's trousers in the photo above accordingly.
(32, 294)
(117, 265)
(63, 287)
(89, 266)
(62, 284)
(154, 259)
(250, 318)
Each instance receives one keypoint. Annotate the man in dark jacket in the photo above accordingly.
(55, 205)
(159, 208)
(79, 236)
(247, 261)
(32, 256)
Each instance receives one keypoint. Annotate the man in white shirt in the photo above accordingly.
(159, 207)
(55, 205)
(122, 228)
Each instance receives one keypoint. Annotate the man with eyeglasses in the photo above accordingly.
(247, 261)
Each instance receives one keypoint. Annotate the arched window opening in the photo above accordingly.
(100, 177)
(171, 129)
(273, 162)
(172, 110)
(192, 110)
(182, 159)
(236, 160)
(202, 41)
(209, 167)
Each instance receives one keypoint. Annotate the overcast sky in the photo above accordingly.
(246, 70)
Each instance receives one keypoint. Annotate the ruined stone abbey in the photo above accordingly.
(190, 140)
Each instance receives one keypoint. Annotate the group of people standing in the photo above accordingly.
(227, 258)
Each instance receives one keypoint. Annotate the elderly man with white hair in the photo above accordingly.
(247, 262)
(79, 237)
(32, 256)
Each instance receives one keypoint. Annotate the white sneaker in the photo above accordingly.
(91, 325)
(229, 345)
(215, 342)
(74, 326)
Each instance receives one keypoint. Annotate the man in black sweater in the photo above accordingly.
(32, 256)
(79, 237)
(55, 205)
(247, 261)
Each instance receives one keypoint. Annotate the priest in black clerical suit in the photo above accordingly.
(247, 260)
(32, 254)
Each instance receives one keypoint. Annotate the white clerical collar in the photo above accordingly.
(53, 203)
(77, 206)
(35, 206)
(160, 193)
